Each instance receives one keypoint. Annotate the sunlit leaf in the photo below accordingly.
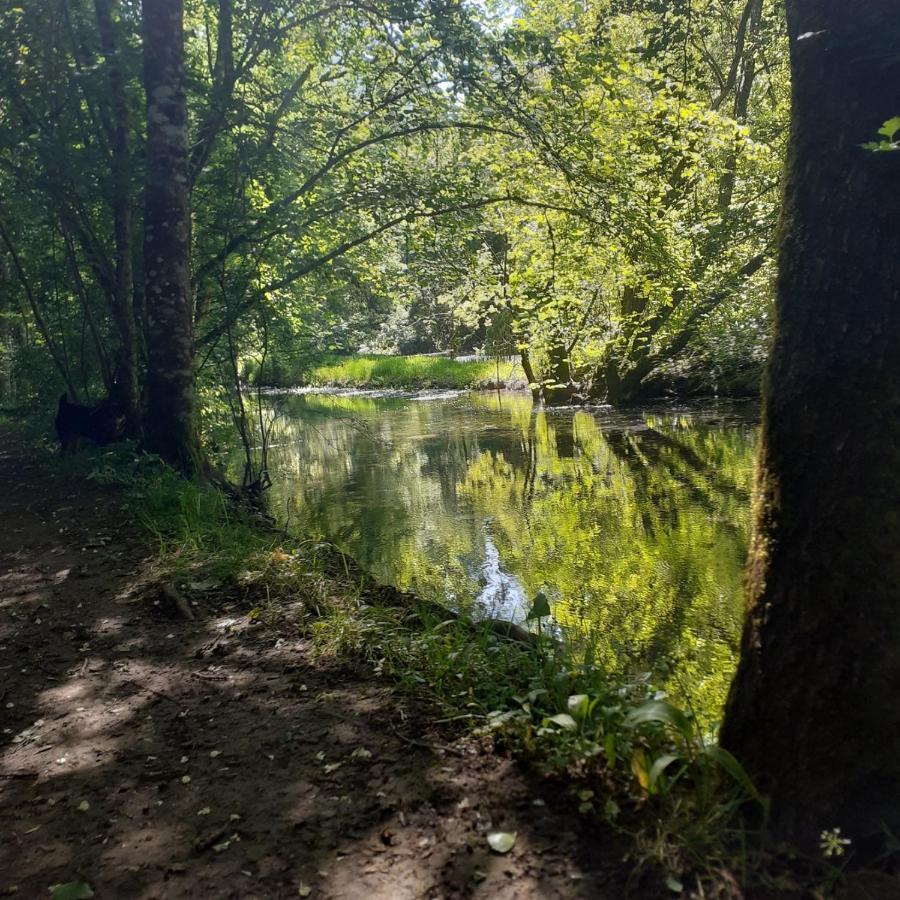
(502, 841)
(639, 769)
(564, 720)
(890, 128)
(659, 766)
(662, 713)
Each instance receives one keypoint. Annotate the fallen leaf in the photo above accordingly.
(502, 841)
(84, 806)
(227, 843)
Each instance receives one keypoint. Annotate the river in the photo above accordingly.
(634, 525)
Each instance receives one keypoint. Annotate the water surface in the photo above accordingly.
(634, 525)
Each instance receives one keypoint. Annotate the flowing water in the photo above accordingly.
(635, 526)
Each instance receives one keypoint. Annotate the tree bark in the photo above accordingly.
(125, 386)
(530, 377)
(813, 711)
(170, 426)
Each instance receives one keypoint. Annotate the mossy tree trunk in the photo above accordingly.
(814, 710)
(170, 425)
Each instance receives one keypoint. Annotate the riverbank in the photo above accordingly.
(196, 702)
(371, 371)
(147, 753)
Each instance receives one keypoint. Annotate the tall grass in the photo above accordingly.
(392, 372)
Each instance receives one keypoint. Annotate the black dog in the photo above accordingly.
(101, 424)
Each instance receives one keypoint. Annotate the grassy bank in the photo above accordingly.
(370, 371)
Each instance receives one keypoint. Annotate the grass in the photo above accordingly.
(371, 371)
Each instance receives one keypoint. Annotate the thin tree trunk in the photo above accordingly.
(125, 388)
(813, 711)
(82, 294)
(56, 354)
(558, 388)
(525, 357)
(745, 73)
(170, 426)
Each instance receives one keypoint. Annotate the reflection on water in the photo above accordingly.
(635, 526)
(502, 596)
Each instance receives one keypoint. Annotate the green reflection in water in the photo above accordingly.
(635, 526)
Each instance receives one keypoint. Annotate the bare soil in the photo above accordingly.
(154, 757)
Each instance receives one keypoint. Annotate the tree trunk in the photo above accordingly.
(813, 711)
(525, 357)
(170, 426)
(125, 387)
(558, 389)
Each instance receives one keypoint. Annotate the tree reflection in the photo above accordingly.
(635, 529)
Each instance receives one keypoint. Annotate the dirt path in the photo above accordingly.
(157, 758)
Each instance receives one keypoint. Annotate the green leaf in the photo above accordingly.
(72, 890)
(890, 128)
(662, 713)
(502, 841)
(540, 607)
(609, 748)
(564, 720)
(724, 759)
(659, 767)
(674, 885)
(578, 705)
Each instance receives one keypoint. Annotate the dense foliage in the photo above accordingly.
(589, 185)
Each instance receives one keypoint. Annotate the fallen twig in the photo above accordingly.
(414, 743)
